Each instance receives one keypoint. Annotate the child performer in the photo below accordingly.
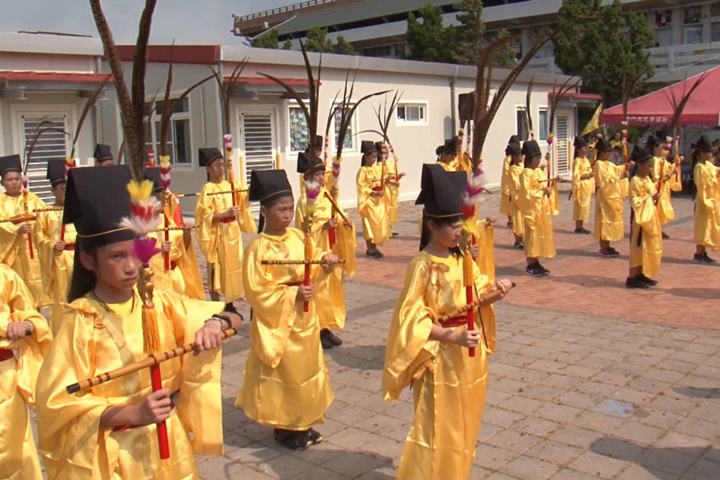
(707, 201)
(219, 225)
(447, 155)
(109, 431)
(583, 186)
(103, 156)
(286, 385)
(392, 183)
(505, 200)
(534, 201)
(183, 276)
(17, 249)
(25, 331)
(371, 205)
(665, 177)
(609, 224)
(646, 236)
(55, 244)
(515, 174)
(432, 358)
(327, 223)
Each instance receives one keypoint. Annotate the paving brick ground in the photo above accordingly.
(590, 380)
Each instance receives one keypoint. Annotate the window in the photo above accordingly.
(543, 120)
(179, 142)
(298, 130)
(521, 126)
(692, 15)
(411, 113)
(350, 142)
(715, 32)
(51, 145)
(715, 9)
(694, 34)
(663, 18)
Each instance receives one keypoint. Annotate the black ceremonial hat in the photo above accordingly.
(102, 152)
(10, 163)
(441, 192)
(153, 174)
(513, 149)
(56, 172)
(580, 142)
(531, 149)
(367, 147)
(449, 147)
(208, 156)
(639, 154)
(266, 184)
(602, 145)
(308, 162)
(703, 145)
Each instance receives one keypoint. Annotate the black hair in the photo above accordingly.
(82, 280)
(633, 169)
(425, 233)
(695, 157)
(529, 159)
(439, 150)
(269, 203)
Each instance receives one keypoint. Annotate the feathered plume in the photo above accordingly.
(555, 97)
(92, 99)
(528, 97)
(385, 114)
(678, 105)
(485, 111)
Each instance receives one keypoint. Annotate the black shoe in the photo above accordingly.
(665, 236)
(395, 234)
(334, 339)
(292, 439)
(534, 270)
(703, 258)
(509, 224)
(544, 270)
(648, 280)
(519, 245)
(375, 253)
(582, 231)
(636, 282)
(608, 253)
(326, 343)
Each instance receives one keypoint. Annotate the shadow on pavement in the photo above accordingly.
(366, 357)
(688, 463)
(695, 392)
(693, 292)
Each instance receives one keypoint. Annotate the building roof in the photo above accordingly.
(354, 12)
(63, 77)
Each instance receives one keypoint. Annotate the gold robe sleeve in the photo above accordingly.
(206, 232)
(17, 305)
(364, 189)
(644, 210)
(9, 242)
(409, 349)
(247, 221)
(45, 236)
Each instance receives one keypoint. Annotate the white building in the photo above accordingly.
(48, 77)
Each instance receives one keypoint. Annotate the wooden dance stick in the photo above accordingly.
(295, 262)
(488, 298)
(137, 366)
(336, 207)
(239, 190)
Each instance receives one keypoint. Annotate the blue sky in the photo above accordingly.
(185, 21)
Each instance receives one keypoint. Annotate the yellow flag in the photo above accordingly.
(594, 123)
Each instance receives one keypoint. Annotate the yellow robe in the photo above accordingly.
(505, 207)
(14, 248)
(56, 267)
(448, 385)
(220, 242)
(184, 275)
(392, 190)
(537, 214)
(372, 210)
(583, 189)
(515, 173)
(91, 341)
(662, 168)
(707, 205)
(286, 381)
(330, 292)
(453, 166)
(609, 224)
(645, 251)
(18, 375)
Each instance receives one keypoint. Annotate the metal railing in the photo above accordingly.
(288, 8)
(668, 59)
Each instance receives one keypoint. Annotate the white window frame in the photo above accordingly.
(239, 139)
(354, 139)
(518, 109)
(540, 109)
(154, 142)
(424, 104)
(288, 143)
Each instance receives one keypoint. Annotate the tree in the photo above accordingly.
(317, 41)
(287, 45)
(268, 39)
(605, 46)
(429, 40)
(343, 47)
(471, 32)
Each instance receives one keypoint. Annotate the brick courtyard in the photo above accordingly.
(590, 380)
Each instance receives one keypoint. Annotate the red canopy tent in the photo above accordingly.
(656, 108)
